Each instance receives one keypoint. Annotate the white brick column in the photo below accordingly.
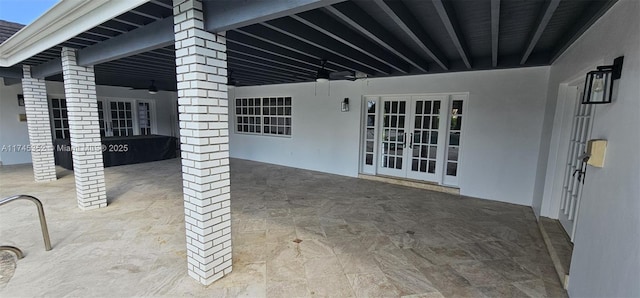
(84, 130)
(202, 91)
(39, 126)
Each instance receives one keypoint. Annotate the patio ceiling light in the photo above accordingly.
(323, 74)
(152, 88)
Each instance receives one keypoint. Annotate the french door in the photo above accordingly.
(125, 117)
(411, 137)
(572, 183)
(393, 141)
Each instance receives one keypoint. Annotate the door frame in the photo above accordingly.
(455, 182)
(373, 169)
(407, 122)
(551, 197)
(106, 100)
(568, 133)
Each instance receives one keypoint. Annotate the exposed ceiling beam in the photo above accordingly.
(146, 15)
(401, 15)
(224, 15)
(243, 78)
(111, 29)
(11, 72)
(234, 73)
(10, 81)
(590, 15)
(98, 34)
(147, 75)
(128, 68)
(267, 65)
(60, 23)
(247, 40)
(250, 53)
(120, 20)
(259, 73)
(316, 39)
(495, 31)
(155, 35)
(47, 69)
(156, 2)
(325, 24)
(351, 14)
(247, 77)
(280, 39)
(115, 78)
(141, 65)
(543, 20)
(261, 47)
(450, 21)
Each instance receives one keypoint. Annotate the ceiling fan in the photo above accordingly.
(324, 75)
(152, 89)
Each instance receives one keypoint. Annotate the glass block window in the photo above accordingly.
(248, 115)
(264, 116)
(60, 118)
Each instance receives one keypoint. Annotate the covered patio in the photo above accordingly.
(296, 233)
(288, 117)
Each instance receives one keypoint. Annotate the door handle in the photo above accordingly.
(404, 139)
(411, 140)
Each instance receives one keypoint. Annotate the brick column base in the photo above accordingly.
(204, 135)
(39, 125)
(84, 130)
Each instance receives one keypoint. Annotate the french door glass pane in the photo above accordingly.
(424, 134)
(121, 118)
(455, 128)
(393, 134)
(369, 137)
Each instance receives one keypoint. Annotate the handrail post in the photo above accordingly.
(43, 221)
(43, 225)
(13, 249)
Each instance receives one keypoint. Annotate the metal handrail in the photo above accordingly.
(43, 221)
(13, 249)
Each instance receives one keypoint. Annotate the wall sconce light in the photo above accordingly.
(345, 105)
(598, 86)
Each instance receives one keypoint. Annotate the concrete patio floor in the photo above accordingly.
(359, 239)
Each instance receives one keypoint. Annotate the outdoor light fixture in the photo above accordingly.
(598, 86)
(152, 88)
(345, 105)
(323, 74)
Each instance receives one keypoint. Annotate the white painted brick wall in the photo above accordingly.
(201, 68)
(39, 126)
(84, 130)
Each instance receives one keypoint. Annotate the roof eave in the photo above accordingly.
(60, 23)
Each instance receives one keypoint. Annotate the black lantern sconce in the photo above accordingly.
(598, 86)
(345, 105)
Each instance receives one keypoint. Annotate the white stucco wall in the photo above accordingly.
(500, 144)
(14, 132)
(606, 255)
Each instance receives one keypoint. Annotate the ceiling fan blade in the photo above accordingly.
(346, 73)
